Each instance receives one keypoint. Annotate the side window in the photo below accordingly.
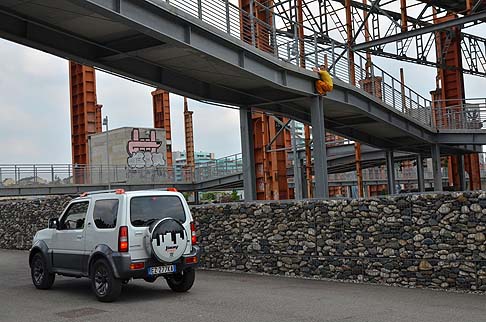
(105, 213)
(75, 216)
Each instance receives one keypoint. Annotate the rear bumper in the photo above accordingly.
(122, 261)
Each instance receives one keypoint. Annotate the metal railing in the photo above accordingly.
(460, 114)
(380, 174)
(278, 35)
(218, 168)
(68, 174)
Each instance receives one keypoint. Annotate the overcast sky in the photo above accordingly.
(34, 110)
(34, 107)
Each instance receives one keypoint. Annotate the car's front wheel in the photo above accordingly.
(182, 282)
(106, 287)
(41, 277)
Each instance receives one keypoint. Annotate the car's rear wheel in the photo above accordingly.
(41, 277)
(182, 282)
(106, 287)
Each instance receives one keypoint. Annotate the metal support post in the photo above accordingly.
(420, 173)
(252, 23)
(297, 174)
(390, 172)
(228, 22)
(105, 123)
(436, 167)
(274, 37)
(199, 9)
(320, 153)
(248, 157)
(462, 172)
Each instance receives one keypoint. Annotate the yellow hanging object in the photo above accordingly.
(324, 84)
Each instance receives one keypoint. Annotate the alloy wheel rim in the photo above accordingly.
(101, 280)
(38, 271)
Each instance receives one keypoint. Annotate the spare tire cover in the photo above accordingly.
(168, 240)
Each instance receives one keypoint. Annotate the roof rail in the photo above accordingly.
(117, 191)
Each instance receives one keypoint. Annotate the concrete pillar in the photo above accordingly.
(320, 153)
(246, 130)
(462, 172)
(390, 172)
(436, 167)
(297, 172)
(420, 173)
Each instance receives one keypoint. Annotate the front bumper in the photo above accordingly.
(122, 261)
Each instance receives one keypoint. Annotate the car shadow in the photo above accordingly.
(138, 291)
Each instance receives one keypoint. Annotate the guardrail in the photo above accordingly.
(379, 174)
(461, 114)
(68, 174)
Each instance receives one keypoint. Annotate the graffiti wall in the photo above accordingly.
(130, 148)
(145, 152)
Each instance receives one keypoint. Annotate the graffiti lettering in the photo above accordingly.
(142, 152)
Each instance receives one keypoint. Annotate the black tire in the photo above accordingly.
(106, 287)
(182, 282)
(41, 277)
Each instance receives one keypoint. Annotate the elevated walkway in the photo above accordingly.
(159, 44)
(194, 50)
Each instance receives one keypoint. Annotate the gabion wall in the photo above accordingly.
(430, 240)
(434, 240)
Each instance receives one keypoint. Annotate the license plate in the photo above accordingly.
(161, 269)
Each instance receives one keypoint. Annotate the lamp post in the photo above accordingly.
(105, 123)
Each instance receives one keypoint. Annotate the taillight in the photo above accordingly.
(123, 239)
(191, 260)
(138, 265)
(193, 233)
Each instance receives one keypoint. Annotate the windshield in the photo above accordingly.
(148, 209)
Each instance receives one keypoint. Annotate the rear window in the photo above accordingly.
(148, 209)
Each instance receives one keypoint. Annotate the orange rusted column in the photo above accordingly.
(161, 111)
(189, 135)
(452, 94)
(404, 17)
(85, 115)
(270, 167)
(472, 166)
(352, 80)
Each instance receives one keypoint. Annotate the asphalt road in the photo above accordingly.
(228, 297)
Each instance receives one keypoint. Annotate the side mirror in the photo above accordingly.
(53, 223)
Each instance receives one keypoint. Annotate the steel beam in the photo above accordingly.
(420, 31)
(436, 167)
(248, 158)
(320, 153)
(462, 172)
(390, 172)
(420, 173)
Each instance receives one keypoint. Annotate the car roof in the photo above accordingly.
(139, 193)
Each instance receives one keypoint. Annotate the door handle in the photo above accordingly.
(79, 237)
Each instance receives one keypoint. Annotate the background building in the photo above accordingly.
(136, 155)
(180, 161)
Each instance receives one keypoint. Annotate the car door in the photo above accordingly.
(101, 227)
(69, 239)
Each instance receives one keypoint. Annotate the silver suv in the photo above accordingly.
(114, 236)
